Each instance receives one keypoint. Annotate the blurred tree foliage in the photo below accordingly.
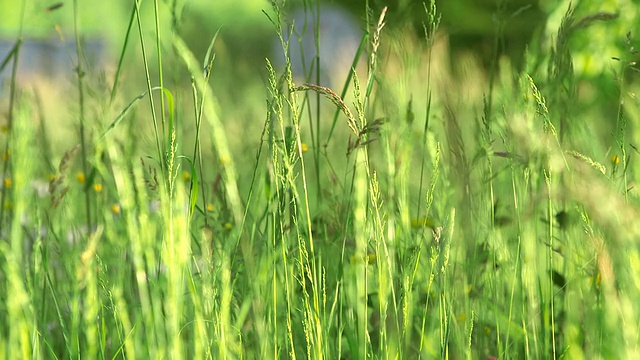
(482, 27)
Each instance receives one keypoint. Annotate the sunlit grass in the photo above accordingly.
(416, 212)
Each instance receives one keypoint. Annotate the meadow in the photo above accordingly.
(429, 205)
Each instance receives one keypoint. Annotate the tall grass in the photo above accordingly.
(412, 213)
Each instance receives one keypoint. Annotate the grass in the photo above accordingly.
(416, 212)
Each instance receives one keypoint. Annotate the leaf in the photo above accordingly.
(193, 190)
(209, 57)
(171, 110)
(124, 112)
(13, 53)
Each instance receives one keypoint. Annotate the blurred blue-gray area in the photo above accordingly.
(49, 58)
(329, 41)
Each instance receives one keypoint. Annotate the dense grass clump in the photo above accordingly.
(428, 207)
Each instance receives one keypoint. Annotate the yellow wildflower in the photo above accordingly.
(615, 160)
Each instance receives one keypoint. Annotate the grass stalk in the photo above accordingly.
(492, 228)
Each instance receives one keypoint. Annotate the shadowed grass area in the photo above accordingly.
(428, 208)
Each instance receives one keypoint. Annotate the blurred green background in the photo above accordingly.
(247, 36)
(479, 30)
